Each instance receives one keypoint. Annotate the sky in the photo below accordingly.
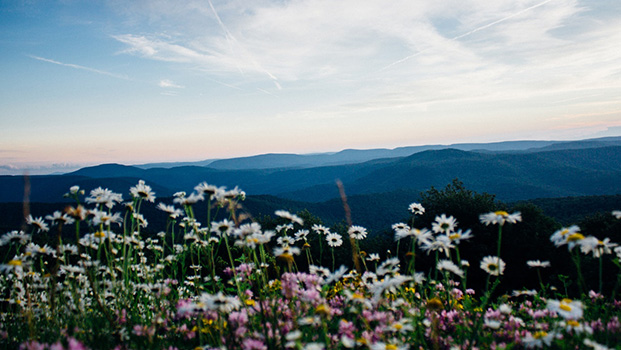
(133, 82)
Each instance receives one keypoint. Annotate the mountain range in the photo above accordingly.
(515, 170)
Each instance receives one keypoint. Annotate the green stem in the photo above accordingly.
(601, 273)
(499, 240)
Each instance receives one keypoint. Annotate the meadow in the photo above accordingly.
(94, 277)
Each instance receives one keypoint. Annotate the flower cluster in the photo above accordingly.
(230, 283)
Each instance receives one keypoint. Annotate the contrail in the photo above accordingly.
(501, 20)
(471, 32)
(230, 38)
(70, 65)
(266, 92)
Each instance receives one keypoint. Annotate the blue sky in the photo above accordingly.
(89, 82)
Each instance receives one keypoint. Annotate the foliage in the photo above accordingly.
(216, 277)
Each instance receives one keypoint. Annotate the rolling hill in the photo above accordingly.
(516, 175)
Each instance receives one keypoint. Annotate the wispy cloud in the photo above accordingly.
(372, 58)
(165, 83)
(470, 32)
(76, 66)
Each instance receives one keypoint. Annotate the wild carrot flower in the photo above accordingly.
(493, 265)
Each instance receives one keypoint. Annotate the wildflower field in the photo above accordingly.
(95, 277)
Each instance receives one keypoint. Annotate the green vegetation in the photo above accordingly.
(215, 276)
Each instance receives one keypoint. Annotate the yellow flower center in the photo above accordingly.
(250, 302)
(391, 347)
(565, 307)
(434, 304)
(540, 334)
(502, 213)
(286, 257)
(454, 236)
(100, 234)
(573, 323)
(322, 310)
(398, 326)
(15, 263)
(575, 237)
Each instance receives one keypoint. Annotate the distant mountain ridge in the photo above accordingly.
(580, 168)
(351, 156)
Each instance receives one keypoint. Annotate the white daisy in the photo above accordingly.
(416, 209)
(448, 265)
(493, 265)
(444, 224)
(357, 232)
(537, 263)
(500, 217)
(334, 240)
